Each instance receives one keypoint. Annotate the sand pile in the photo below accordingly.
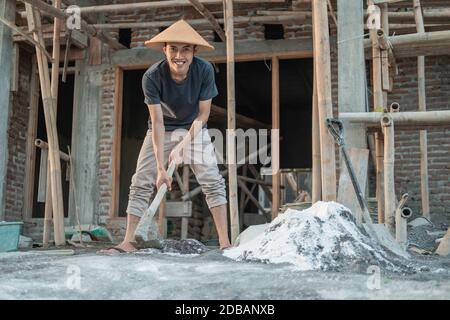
(323, 237)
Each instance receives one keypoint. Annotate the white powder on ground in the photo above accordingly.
(322, 237)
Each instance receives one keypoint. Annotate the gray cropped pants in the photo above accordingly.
(201, 159)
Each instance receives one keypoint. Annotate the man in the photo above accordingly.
(178, 91)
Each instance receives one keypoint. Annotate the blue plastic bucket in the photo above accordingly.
(9, 236)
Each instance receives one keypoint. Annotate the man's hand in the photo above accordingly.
(162, 178)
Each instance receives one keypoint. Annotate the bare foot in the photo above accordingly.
(123, 247)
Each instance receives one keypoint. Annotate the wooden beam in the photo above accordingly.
(208, 16)
(27, 37)
(231, 122)
(141, 58)
(200, 22)
(241, 121)
(323, 73)
(275, 154)
(57, 13)
(127, 7)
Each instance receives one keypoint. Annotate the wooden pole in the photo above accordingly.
(323, 72)
(422, 107)
(231, 122)
(378, 101)
(185, 220)
(389, 183)
(316, 162)
(208, 16)
(54, 91)
(49, 103)
(275, 142)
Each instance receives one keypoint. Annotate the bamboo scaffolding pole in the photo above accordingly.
(208, 16)
(127, 7)
(323, 73)
(185, 220)
(414, 39)
(406, 118)
(402, 213)
(231, 122)
(276, 180)
(92, 31)
(430, 15)
(379, 147)
(49, 103)
(387, 124)
(422, 107)
(54, 91)
(44, 145)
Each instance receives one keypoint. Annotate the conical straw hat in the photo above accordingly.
(180, 32)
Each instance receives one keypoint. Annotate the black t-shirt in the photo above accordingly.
(179, 101)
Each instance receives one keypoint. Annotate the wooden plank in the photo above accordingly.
(323, 73)
(141, 58)
(78, 39)
(85, 137)
(15, 68)
(95, 51)
(231, 122)
(346, 192)
(31, 136)
(118, 97)
(351, 68)
(275, 154)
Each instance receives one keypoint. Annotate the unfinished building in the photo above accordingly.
(289, 73)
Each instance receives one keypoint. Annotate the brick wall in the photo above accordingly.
(407, 158)
(17, 133)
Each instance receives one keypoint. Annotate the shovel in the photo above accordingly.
(376, 231)
(142, 230)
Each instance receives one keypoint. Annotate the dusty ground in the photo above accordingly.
(156, 275)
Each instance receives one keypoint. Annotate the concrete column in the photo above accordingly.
(85, 136)
(7, 11)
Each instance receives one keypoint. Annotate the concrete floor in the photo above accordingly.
(154, 275)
